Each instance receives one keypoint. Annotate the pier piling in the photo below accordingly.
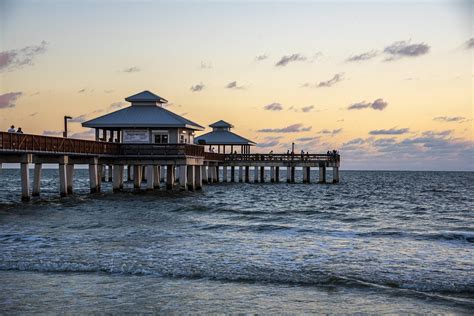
(37, 180)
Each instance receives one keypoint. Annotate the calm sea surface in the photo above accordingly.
(376, 242)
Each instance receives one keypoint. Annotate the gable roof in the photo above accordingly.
(142, 116)
(223, 137)
(145, 96)
(221, 123)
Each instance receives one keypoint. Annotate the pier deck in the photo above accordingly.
(190, 164)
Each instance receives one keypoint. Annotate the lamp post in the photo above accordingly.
(66, 117)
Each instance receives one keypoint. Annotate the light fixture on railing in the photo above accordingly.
(66, 117)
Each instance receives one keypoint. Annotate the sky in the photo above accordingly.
(387, 83)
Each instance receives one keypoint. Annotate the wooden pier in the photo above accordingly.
(149, 164)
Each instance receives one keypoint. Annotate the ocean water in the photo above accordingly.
(379, 242)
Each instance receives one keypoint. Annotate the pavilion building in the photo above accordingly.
(222, 138)
(145, 121)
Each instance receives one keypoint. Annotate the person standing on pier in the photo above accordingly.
(19, 131)
(12, 129)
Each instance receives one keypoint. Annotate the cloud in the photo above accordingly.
(116, 105)
(275, 106)
(295, 128)
(8, 100)
(330, 132)
(469, 43)
(331, 82)
(392, 131)
(79, 119)
(307, 139)
(402, 49)
(379, 104)
(450, 119)
(34, 114)
(89, 134)
(233, 85)
(52, 133)
(307, 109)
(198, 87)
(261, 57)
(205, 65)
(364, 56)
(285, 60)
(82, 90)
(17, 58)
(131, 69)
(271, 143)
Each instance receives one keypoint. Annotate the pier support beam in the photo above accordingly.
(150, 177)
(94, 177)
(137, 176)
(247, 174)
(170, 176)
(156, 176)
(129, 173)
(322, 174)
(277, 174)
(204, 176)
(63, 176)
(232, 174)
(255, 174)
(198, 177)
(37, 180)
(70, 178)
(117, 179)
(183, 177)
(241, 174)
(190, 185)
(293, 173)
(335, 174)
(224, 173)
(288, 174)
(25, 177)
(215, 178)
(102, 172)
(272, 174)
(162, 173)
(262, 174)
(306, 174)
(110, 173)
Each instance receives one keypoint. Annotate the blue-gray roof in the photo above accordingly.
(142, 116)
(223, 137)
(221, 123)
(146, 96)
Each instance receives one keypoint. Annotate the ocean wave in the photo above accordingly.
(435, 236)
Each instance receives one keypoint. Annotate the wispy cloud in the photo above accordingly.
(205, 65)
(328, 83)
(402, 49)
(17, 58)
(275, 106)
(450, 119)
(131, 69)
(306, 109)
(294, 128)
(261, 57)
(391, 131)
(8, 100)
(116, 105)
(378, 104)
(285, 60)
(197, 87)
(89, 134)
(52, 133)
(233, 85)
(469, 43)
(364, 56)
(82, 90)
(330, 132)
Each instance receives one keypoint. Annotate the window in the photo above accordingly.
(161, 139)
(181, 139)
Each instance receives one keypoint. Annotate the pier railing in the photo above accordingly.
(38, 143)
(283, 157)
(161, 150)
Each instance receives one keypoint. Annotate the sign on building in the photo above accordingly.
(136, 136)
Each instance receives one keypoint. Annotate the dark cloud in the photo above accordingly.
(233, 85)
(308, 108)
(325, 84)
(307, 139)
(470, 43)
(450, 119)
(261, 57)
(285, 60)
(8, 100)
(295, 128)
(271, 143)
(131, 69)
(17, 58)
(405, 49)
(363, 56)
(275, 106)
(378, 104)
(392, 131)
(330, 132)
(198, 87)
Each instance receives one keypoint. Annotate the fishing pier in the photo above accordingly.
(154, 148)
